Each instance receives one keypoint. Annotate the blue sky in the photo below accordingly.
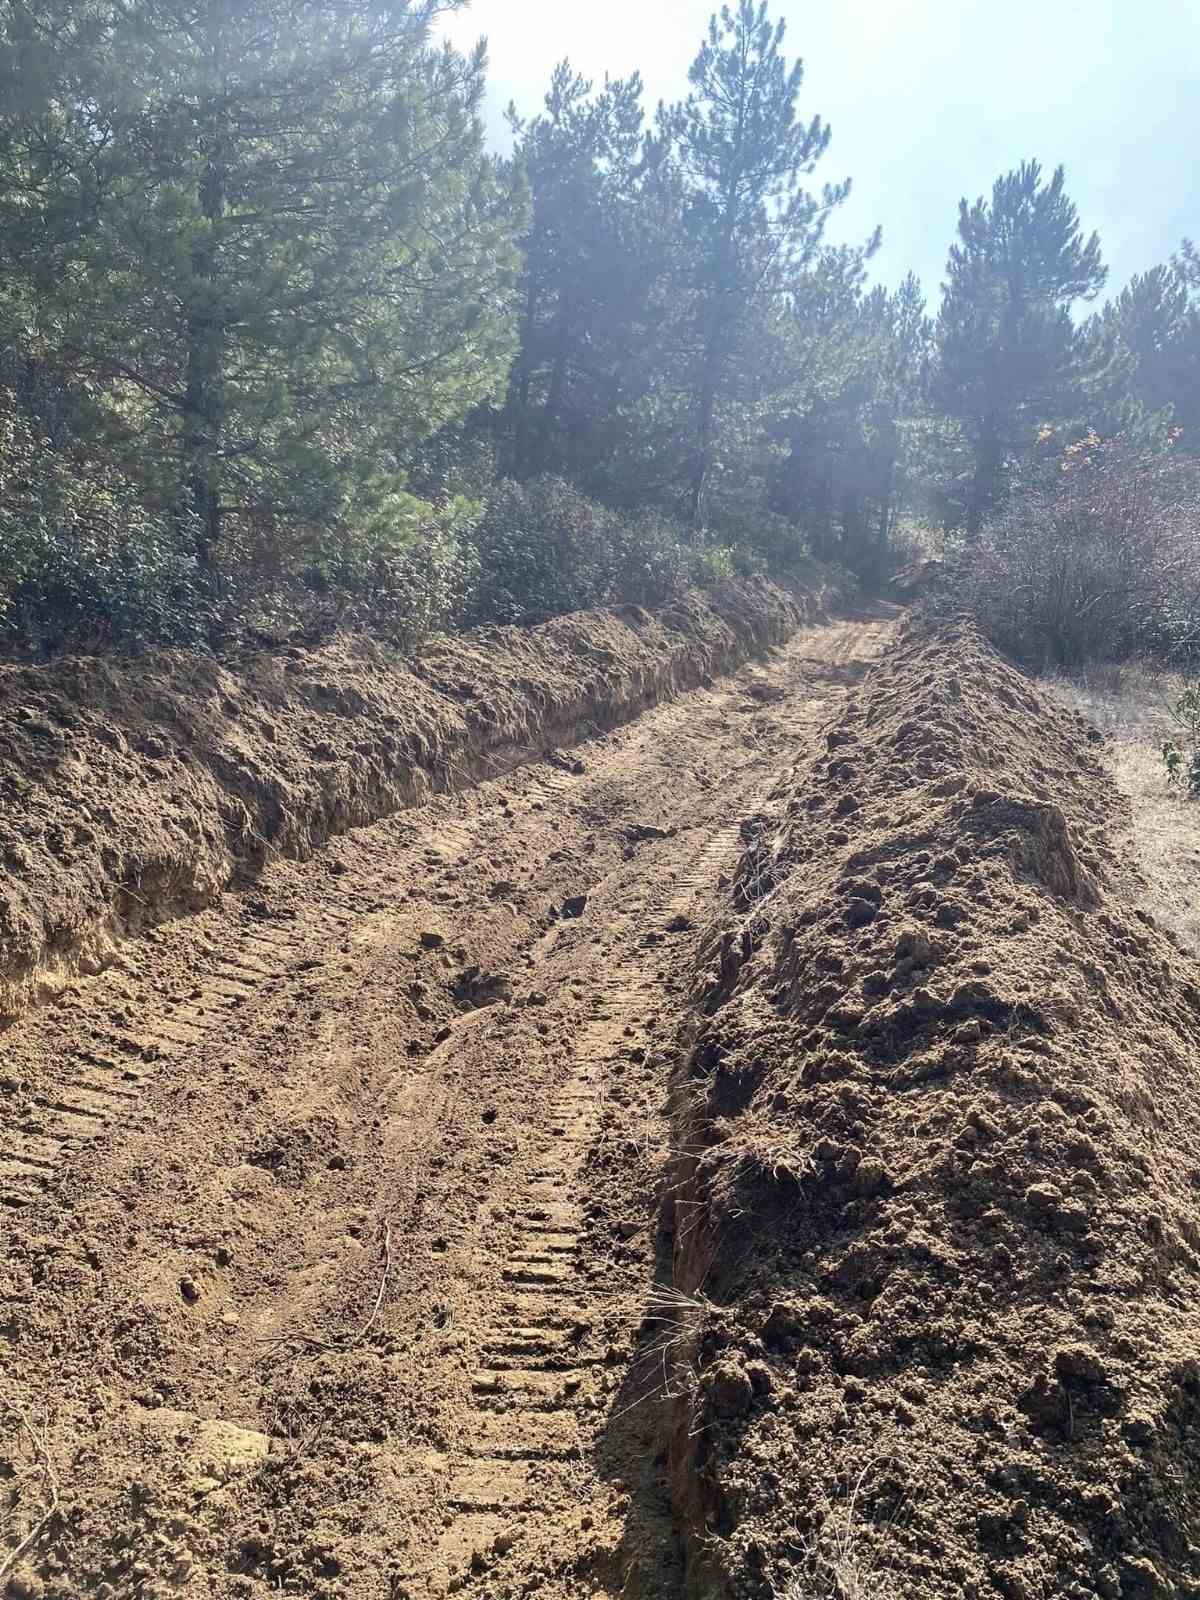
(928, 100)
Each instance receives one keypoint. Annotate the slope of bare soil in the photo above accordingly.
(132, 793)
(332, 1211)
(938, 1214)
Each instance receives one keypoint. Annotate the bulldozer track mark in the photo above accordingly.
(259, 1093)
(103, 1080)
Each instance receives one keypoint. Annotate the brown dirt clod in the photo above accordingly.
(940, 1122)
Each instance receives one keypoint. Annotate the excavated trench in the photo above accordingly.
(335, 1255)
(135, 793)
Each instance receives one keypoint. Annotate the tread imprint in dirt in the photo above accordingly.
(524, 1414)
(105, 1072)
(527, 1445)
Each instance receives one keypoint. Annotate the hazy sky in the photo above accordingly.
(928, 100)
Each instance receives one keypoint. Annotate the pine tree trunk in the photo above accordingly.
(556, 389)
(202, 400)
(853, 530)
(822, 543)
(698, 496)
(522, 440)
(984, 481)
(721, 311)
(883, 534)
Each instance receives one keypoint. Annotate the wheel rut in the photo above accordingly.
(413, 1038)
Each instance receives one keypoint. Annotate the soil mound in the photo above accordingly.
(921, 579)
(937, 1235)
(132, 792)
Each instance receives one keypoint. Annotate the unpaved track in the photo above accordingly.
(333, 1218)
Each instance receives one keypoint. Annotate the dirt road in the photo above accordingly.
(334, 1217)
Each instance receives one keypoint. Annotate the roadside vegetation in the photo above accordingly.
(1135, 706)
(285, 348)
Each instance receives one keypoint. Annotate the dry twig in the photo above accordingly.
(339, 1346)
(41, 1457)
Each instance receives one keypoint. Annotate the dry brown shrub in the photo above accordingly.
(1096, 556)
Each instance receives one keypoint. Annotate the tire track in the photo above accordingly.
(309, 1078)
(528, 1392)
(104, 1077)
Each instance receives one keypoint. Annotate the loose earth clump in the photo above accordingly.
(941, 1203)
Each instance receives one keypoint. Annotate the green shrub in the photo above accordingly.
(403, 575)
(714, 566)
(85, 564)
(761, 541)
(1181, 756)
(544, 549)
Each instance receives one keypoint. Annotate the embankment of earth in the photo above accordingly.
(937, 1242)
(132, 792)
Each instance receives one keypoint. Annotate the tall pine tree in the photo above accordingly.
(751, 223)
(844, 422)
(1009, 354)
(586, 278)
(1150, 334)
(267, 230)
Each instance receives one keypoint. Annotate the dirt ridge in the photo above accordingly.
(135, 793)
(941, 1266)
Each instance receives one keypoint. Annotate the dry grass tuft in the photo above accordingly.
(1130, 703)
(46, 1504)
(838, 1561)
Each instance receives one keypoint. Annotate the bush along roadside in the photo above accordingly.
(938, 1258)
(130, 793)
(87, 565)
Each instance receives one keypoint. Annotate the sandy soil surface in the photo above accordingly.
(333, 1213)
(1129, 705)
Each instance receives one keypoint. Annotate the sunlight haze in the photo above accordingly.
(928, 99)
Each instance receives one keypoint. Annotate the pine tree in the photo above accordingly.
(1133, 341)
(267, 230)
(845, 422)
(1183, 378)
(1150, 335)
(1008, 350)
(586, 278)
(751, 225)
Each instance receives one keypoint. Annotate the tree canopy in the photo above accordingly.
(265, 235)
(262, 280)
